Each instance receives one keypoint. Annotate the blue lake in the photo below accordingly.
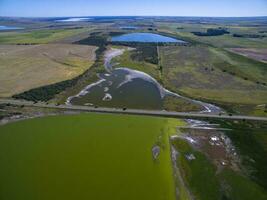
(145, 37)
(5, 28)
(74, 19)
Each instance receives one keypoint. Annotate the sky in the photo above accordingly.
(60, 8)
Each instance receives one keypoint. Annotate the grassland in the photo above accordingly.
(228, 41)
(24, 67)
(87, 156)
(214, 75)
(185, 30)
(201, 63)
(257, 54)
(126, 60)
(39, 36)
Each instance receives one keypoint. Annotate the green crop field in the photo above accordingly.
(87, 156)
(38, 37)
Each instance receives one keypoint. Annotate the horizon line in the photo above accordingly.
(252, 16)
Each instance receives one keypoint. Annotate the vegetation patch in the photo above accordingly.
(172, 103)
(248, 35)
(96, 40)
(38, 37)
(46, 93)
(212, 32)
(132, 60)
(250, 139)
(220, 184)
(196, 170)
(146, 53)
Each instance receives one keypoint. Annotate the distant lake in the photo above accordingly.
(144, 37)
(74, 19)
(4, 28)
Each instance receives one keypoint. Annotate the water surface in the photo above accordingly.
(121, 87)
(5, 28)
(124, 87)
(76, 19)
(145, 37)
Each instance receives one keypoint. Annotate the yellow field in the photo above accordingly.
(24, 67)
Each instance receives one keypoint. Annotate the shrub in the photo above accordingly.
(212, 32)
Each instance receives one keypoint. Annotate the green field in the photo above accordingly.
(215, 75)
(87, 156)
(38, 37)
(224, 41)
(209, 73)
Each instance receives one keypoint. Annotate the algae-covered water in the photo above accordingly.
(87, 156)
